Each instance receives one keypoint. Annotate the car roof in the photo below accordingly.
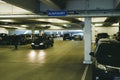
(102, 33)
(107, 40)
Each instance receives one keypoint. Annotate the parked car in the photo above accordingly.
(42, 42)
(77, 37)
(25, 39)
(5, 39)
(106, 60)
(100, 36)
(67, 36)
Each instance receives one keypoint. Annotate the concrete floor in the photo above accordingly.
(63, 61)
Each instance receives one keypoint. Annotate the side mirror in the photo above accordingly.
(92, 54)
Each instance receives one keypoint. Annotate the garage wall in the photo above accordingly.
(2, 30)
(110, 30)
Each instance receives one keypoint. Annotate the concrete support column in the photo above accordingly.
(41, 32)
(33, 33)
(119, 27)
(87, 41)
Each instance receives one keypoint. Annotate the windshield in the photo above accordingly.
(108, 54)
(39, 39)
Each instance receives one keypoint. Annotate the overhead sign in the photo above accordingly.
(57, 13)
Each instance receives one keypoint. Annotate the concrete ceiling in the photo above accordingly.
(74, 23)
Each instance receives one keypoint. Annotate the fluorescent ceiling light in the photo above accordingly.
(55, 27)
(5, 26)
(40, 19)
(81, 19)
(96, 19)
(98, 24)
(53, 20)
(20, 28)
(24, 26)
(115, 24)
(64, 24)
(1, 1)
(7, 20)
(57, 21)
(99, 19)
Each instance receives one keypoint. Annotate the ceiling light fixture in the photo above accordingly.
(53, 20)
(115, 24)
(99, 19)
(98, 24)
(7, 20)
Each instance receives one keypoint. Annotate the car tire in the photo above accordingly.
(33, 47)
(45, 46)
(51, 45)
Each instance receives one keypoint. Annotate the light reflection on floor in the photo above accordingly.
(35, 56)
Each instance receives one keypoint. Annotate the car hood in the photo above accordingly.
(111, 61)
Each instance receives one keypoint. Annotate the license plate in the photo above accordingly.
(36, 45)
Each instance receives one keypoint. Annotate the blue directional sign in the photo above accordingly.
(57, 13)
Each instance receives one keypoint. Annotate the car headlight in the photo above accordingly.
(32, 43)
(100, 66)
(41, 43)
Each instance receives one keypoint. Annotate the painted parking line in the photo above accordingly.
(84, 73)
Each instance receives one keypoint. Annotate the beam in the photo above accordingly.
(105, 13)
(31, 5)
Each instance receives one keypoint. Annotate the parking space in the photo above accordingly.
(63, 61)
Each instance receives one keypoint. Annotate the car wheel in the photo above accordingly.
(33, 47)
(45, 46)
(51, 45)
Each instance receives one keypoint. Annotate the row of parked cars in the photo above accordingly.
(68, 36)
(43, 41)
(6, 39)
(106, 58)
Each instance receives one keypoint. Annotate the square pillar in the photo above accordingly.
(87, 40)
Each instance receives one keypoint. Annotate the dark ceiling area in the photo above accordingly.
(110, 20)
(60, 3)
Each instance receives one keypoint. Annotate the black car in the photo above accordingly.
(5, 39)
(67, 36)
(106, 60)
(100, 36)
(42, 42)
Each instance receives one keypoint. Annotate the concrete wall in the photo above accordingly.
(2, 30)
(6, 8)
(110, 30)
